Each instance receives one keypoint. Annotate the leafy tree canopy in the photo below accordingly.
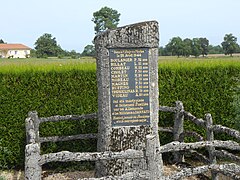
(176, 46)
(73, 54)
(196, 47)
(1, 41)
(204, 43)
(187, 47)
(215, 49)
(89, 50)
(105, 18)
(46, 46)
(229, 44)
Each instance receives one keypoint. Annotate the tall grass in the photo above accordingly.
(46, 65)
(190, 63)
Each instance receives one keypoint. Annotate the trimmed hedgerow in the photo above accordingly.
(202, 87)
(49, 93)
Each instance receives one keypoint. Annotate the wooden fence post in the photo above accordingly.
(34, 117)
(154, 167)
(32, 127)
(32, 150)
(178, 129)
(33, 170)
(210, 137)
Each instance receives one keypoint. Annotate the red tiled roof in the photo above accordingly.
(13, 46)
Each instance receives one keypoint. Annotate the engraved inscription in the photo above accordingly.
(129, 75)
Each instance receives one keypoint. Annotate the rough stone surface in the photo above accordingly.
(178, 129)
(177, 146)
(135, 136)
(230, 170)
(140, 35)
(33, 169)
(65, 156)
(143, 34)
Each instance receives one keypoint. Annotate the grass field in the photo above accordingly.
(212, 61)
(18, 65)
(164, 61)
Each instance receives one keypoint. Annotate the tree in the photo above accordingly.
(196, 47)
(74, 55)
(105, 18)
(162, 51)
(187, 47)
(204, 43)
(175, 46)
(89, 50)
(229, 44)
(46, 45)
(1, 41)
(215, 49)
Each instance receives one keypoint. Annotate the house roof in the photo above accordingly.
(13, 47)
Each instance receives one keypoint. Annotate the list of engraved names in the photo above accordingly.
(129, 76)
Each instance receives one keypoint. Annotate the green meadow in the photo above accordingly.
(213, 61)
(68, 86)
(18, 65)
(41, 64)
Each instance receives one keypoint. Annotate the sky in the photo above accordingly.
(69, 21)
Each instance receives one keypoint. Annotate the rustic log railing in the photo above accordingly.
(210, 144)
(33, 122)
(34, 160)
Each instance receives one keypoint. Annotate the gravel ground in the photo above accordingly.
(19, 175)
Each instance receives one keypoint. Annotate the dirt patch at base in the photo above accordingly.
(75, 175)
(68, 175)
(47, 175)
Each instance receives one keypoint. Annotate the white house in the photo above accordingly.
(14, 51)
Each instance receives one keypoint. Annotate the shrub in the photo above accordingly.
(61, 90)
(203, 88)
(50, 93)
(2, 178)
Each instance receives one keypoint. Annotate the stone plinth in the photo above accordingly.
(127, 76)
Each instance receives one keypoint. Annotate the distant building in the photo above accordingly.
(14, 51)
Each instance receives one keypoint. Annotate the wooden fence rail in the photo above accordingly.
(34, 160)
(178, 135)
(226, 169)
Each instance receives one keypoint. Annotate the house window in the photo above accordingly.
(15, 52)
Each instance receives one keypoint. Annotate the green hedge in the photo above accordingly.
(202, 88)
(49, 93)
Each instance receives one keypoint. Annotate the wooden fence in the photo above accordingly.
(178, 145)
(34, 160)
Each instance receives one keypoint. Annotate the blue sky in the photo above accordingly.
(70, 20)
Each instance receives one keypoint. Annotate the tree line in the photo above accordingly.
(47, 46)
(108, 18)
(199, 46)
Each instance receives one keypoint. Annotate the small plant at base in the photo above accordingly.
(2, 178)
